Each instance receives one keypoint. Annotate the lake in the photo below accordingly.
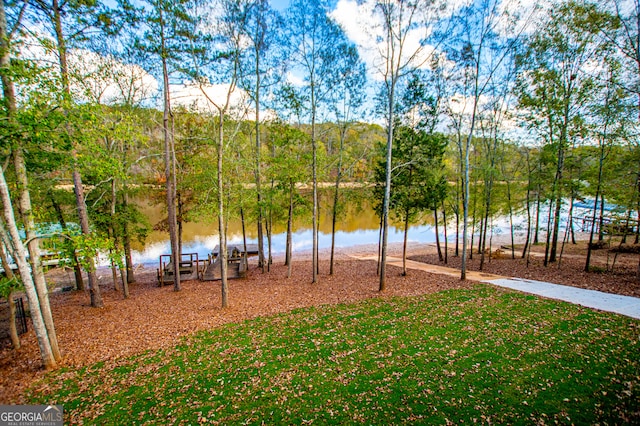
(357, 225)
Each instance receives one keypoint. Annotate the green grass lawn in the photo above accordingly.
(482, 355)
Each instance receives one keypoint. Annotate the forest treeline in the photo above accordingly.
(483, 108)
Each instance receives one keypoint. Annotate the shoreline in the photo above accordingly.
(63, 278)
(371, 249)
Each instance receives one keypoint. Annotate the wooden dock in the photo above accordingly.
(252, 249)
(237, 263)
(235, 269)
(189, 268)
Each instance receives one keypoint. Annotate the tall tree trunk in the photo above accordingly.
(536, 239)
(258, 168)
(116, 242)
(168, 163)
(126, 241)
(601, 219)
(404, 242)
(221, 219)
(528, 236)
(595, 209)
(483, 235)
(290, 230)
(446, 237)
(557, 186)
(112, 234)
(567, 229)
(463, 267)
(269, 240)
(77, 270)
(94, 290)
(548, 236)
(20, 257)
(334, 216)
(457, 214)
(513, 243)
(13, 331)
(387, 186)
(287, 258)
(314, 178)
(460, 196)
(379, 264)
(437, 232)
(473, 222)
(24, 198)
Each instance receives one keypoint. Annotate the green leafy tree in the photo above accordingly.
(608, 123)
(33, 276)
(480, 51)
(396, 22)
(261, 68)
(163, 31)
(347, 106)
(315, 44)
(553, 88)
(287, 167)
(418, 182)
(71, 24)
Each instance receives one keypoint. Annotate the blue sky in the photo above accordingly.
(279, 4)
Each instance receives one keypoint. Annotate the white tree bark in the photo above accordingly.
(19, 256)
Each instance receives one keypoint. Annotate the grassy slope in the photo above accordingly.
(473, 355)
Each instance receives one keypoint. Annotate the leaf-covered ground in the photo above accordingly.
(610, 273)
(157, 318)
(479, 354)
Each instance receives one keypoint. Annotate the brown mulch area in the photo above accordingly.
(569, 270)
(154, 317)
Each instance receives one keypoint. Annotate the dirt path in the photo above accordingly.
(624, 305)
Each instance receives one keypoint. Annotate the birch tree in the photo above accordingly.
(315, 42)
(216, 58)
(554, 88)
(37, 279)
(403, 28)
(261, 67)
(162, 32)
(347, 104)
(485, 34)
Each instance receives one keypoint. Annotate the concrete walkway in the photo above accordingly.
(624, 305)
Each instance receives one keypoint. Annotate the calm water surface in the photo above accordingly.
(358, 225)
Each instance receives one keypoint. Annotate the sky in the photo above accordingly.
(357, 21)
(279, 5)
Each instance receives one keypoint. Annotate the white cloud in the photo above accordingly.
(295, 80)
(104, 79)
(459, 104)
(208, 98)
(521, 16)
(93, 77)
(362, 24)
